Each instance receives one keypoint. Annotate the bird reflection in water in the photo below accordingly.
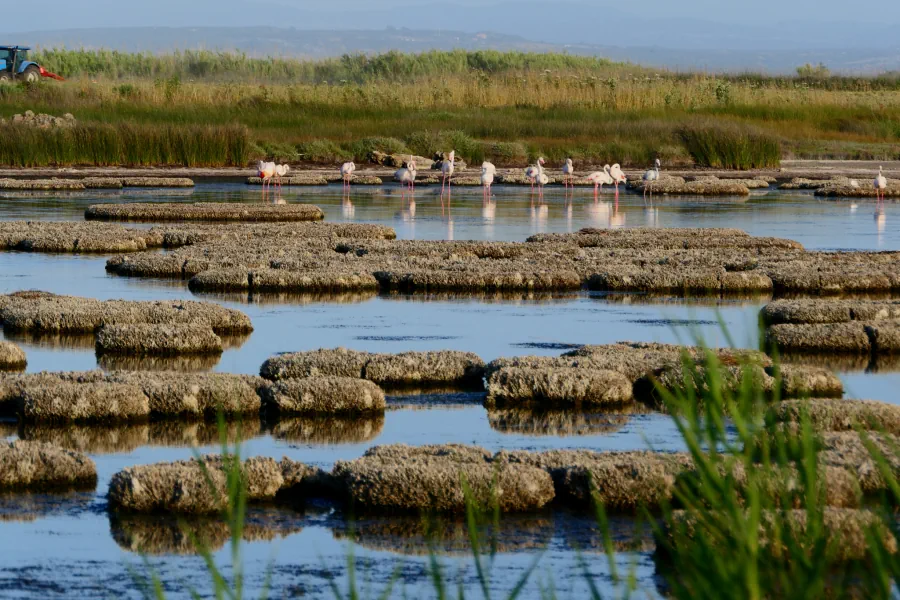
(651, 216)
(604, 215)
(539, 216)
(489, 215)
(347, 208)
(880, 223)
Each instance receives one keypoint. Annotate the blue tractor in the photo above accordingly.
(15, 66)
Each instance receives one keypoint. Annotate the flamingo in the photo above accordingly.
(618, 176)
(650, 176)
(347, 172)
(280, 171)
(542, 180)
(880, 184)
(447, 171)
(533, 171)
(488, 170)
(568, 170)
(266, 171)
(599, 178)
(407, 175)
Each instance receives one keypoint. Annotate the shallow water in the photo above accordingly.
(67, 546)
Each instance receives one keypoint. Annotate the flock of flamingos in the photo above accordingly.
(271, 172)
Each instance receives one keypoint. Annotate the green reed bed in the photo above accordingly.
(125, 144)
(506, 107)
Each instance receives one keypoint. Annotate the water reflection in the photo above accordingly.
(414, 535)
(193, 363)
(328, 430)
(561, 423)
(122, 438)
(31, 506)
(168, 534)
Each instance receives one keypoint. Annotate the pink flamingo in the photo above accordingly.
(880, 185)
(599, 178)
(534, 171)
(407, 175)
(266, 171)
(488, 170)
(347, 172)
(568, 170)
(447, 168)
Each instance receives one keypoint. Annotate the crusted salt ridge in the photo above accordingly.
(12, 358)
(46, 312)
(404, 369)
(203, 211)
(847, 532)
(166, 340)
(189, 487)
(26, 465)
(707, 262)
(402, 479)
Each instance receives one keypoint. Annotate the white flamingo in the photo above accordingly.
(280, 171)
(618, 176)
(266, 171)
(650, 176)
(533, 171)
(347, 172)
(542, 180)
(568, 170)
(599, 179)
(880, 185)
(407, 175)
(447, 168)
(488, 170)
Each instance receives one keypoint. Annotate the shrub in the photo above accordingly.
(362, 149)
(322, 152)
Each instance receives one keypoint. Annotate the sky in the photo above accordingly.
(696, 24)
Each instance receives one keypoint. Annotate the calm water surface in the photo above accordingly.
(67, 546)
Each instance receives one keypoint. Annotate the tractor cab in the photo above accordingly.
(14, 64)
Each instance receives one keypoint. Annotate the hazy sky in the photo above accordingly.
(693, 23)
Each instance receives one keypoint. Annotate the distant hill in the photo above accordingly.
(290, 42)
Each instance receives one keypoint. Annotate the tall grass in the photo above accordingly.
(509, 107)
(124, 144)
(730, 146)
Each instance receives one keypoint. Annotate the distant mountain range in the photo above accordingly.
(291, 42)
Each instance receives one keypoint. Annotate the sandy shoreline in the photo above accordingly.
(789, 168)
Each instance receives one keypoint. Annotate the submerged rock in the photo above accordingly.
(324, 395)
(204, 211)
(559, 386)
(839, 414)
(622, 481)
(188, 487)
(40, 466)
(158, 339)
(12, 358)
(67, 401)
(401, 478)
(168, 394)
(407, 368)
(846, 533)
(43, 311)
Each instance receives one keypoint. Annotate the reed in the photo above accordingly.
(510, 107)
(125, 144)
